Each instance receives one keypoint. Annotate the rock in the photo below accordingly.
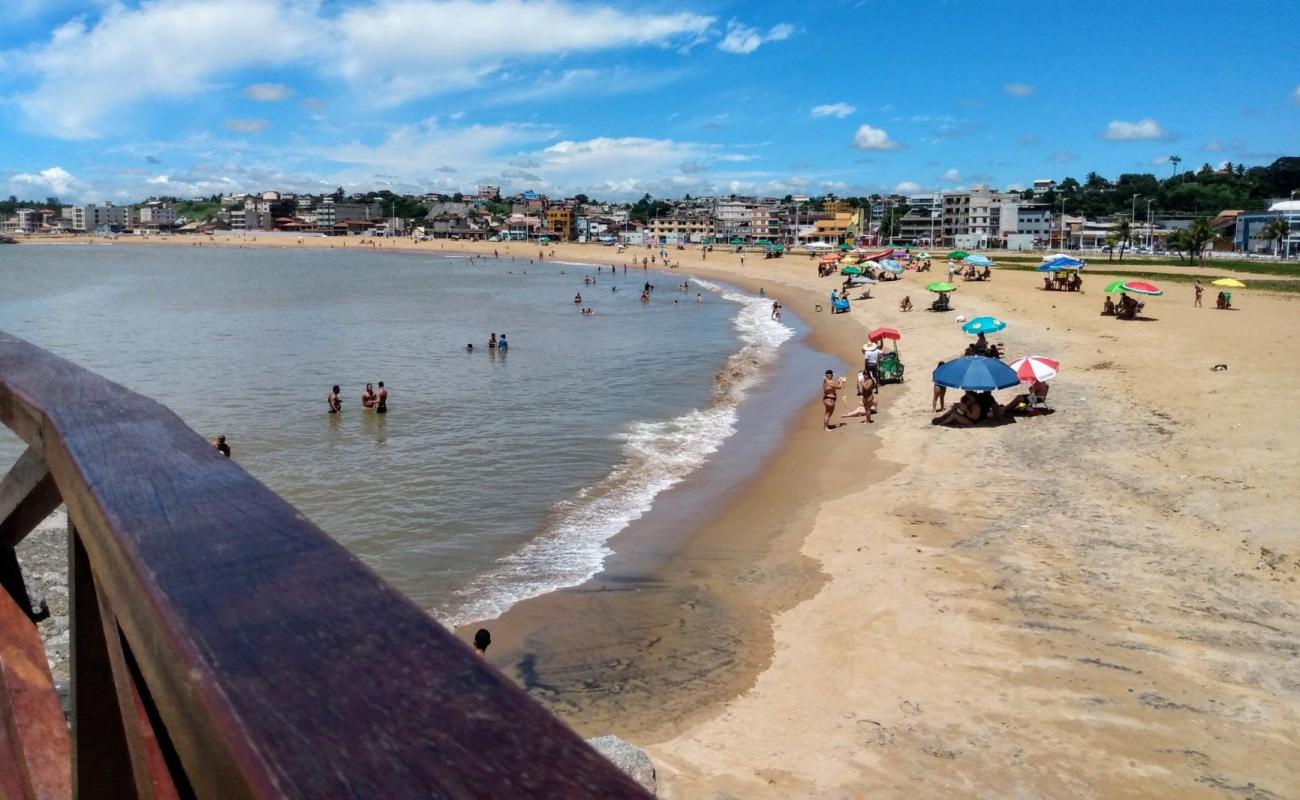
(627, 757)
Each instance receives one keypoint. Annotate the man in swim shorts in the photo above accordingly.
(381, 400)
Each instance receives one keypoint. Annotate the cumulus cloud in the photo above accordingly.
(837, 110)
(869, 138)
(267, 92)
(1018, 89)
(743, 40)
(1158, 160)
(1063, 157)
(54, 181)
(1144, 129)
(387, 50)
(907, 187)
(249, 126)
(951, 176)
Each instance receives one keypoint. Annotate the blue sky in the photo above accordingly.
(122, 100)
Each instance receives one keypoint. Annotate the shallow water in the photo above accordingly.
(495, 476)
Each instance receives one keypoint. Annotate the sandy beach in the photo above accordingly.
(1099, 602)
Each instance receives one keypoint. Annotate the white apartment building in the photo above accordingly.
(28, 219)
(92, 217)
(159, 215)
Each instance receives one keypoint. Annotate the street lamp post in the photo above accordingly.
(1149, 244)
(1132, 217)
(1063, 223)
(1289, 214)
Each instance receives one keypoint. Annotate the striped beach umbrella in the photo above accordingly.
(1142, 287)
(1035, 368)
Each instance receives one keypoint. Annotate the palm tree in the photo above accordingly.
(1199, 235)
(1174, 161)
(1276, 230)
(1111, 241)
(1124, 233)
(1176, 242)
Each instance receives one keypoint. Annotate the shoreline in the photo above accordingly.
(1104, 601)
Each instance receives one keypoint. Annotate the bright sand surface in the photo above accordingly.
(1100, 602)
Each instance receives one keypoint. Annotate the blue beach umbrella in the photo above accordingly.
(891, 266)
(1058, 264)
(983, 325)
(978, 261)
(975, 373)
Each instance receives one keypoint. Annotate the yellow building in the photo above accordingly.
(560, 223)
(833, 206)
(831, 230)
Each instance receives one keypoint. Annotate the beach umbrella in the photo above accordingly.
(975, 373)
(850, 271)
(1229, 283)
(1035, 368)
(922, 254)
(941, 287)
(1142, 287)
(958, 255)
(984, 325)
(891, 266)
(871, 264)
(978, 261)
(861, 280)
(1114, 287)
(1055, 256)
(884, 333)
(737, 240)
(814, 246)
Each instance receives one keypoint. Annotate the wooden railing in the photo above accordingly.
(223, 646)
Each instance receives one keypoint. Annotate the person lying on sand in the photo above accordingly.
(963, 414)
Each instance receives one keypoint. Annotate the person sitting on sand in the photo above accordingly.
(830, 396)
(963, 414)
(1022, 401)
(866, 391)
(986, 274)
(368, 396)
(1220, 301)
(989, 408)
(939, 391)
(1108, 307)
(1047, 283)
(971, 350)
(906, 304)
(333, 401)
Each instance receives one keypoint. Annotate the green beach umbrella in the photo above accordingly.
(958, 255)
(941, 287)
(1114, 287)
(737, 240)
(850, 271)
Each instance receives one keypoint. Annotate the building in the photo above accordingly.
(697, 229)
(491, 194)
(93, 217)
(330, 215)
(28, 220)
(1248, 236)
(833, 206)
(972, 218)
(831, 230)
(731, 219)
(1024, 226)
(156, 215)
(560, 223)
(920, 226)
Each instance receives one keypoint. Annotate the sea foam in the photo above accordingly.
(656, 455)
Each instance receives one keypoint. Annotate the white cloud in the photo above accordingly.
(837, 110)
(1295, 97)
(54, 181)
(907, 187)
(267, 92)
(402, 49)
(1018, 89)
(251, 126)
(1144, 129)
(84, 74)
(1158, 160)
(869, 138)
(743, 40)
(389, 51)
(1063, 157)
(951, 176)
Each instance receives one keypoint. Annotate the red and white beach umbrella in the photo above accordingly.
(1035, 368)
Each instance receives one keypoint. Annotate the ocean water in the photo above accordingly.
(496, 476)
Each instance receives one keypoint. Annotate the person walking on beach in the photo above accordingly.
(939, 391)
(333, 400)
(368, 396)
(220, 444)
(830, 397)
(1199, 291)
(871, 360)
(381, 400)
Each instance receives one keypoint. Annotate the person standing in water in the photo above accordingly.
(501, 343)
(368, 396)
(492, 341)
(333, 400)
(381, 400)
(220, 444)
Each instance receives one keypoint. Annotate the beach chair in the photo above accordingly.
(1037, 404)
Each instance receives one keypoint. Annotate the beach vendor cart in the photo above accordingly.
(890, 364)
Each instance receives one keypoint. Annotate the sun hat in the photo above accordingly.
(869, 346)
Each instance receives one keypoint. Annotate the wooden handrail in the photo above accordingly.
(224, 646)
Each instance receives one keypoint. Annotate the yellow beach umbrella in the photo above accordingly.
(1229, 283)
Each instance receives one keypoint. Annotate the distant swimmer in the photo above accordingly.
(222, 447)
(502, 344)
(335, 403)
(577, 299)
(699, 298)
(368, 396)
(469, 347)
(381, 401)
(482, 640)
(492, 341)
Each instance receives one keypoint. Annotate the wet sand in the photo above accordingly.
(1099, 602)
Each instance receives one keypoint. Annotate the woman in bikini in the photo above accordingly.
(830, 396)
